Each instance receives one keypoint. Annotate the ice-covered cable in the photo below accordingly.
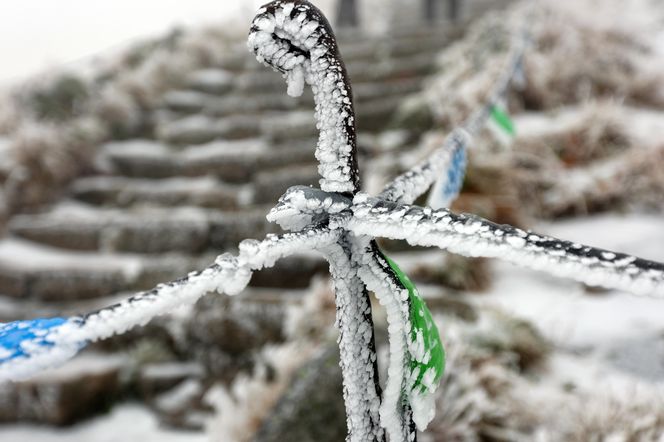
(27, 347)
(446, 165)
(295, 38)
(447, 162)
(470, 235)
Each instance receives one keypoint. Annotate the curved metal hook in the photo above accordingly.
(294, 38)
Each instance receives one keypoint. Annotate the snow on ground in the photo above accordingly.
(125, 423)
(592, 329)
(610, 339)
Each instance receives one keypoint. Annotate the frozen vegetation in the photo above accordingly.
(532, 357)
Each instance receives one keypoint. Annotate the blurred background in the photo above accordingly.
(138, 140)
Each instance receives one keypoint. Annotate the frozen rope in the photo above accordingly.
(294, 38)
(446, 165)
(27, 347)
(472, 236)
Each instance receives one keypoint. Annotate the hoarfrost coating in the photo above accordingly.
(470, 235)
(295, 39)
(357, 349)
(50, 345)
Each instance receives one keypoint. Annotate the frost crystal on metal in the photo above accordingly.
(294, 38)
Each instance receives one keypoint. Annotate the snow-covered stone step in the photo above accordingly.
(198, 129)
(404, 67)
(126, 192)
(214, 81)
(242, 102)
(376, 115)
(149, 230)
(284, 127)
(228, 229)
(143, 230)
(270, 185)
(367, 91)
(234, 161)
(184, 102)
(40, 273)
(229, 161)
(395, 47)
(82, 387)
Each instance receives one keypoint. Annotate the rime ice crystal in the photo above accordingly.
(48, 343)
(473, 236)
(294, 38)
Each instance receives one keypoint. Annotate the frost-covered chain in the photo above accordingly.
(470, 235)
(27, 347)
(294, 38)
(447, 163)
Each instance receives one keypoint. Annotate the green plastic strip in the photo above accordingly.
(503, 120)
(422, 321)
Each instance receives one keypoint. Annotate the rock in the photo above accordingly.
(156, 378)
(270, 185)
(145, 234)
(236, 327)
(28, 270)
(291, 272)
(245, 103)
(85, 386)
(181, 407)
(12, 283)
(55, 232)
(506, 335)
(126, 192)
(139, 158)
(456, 272)
(224, 333)
(55, 285)
(228, 229)
(185, 101)
(452, 306)
(312, 410)
(213, 81)
(198, 129)
(232, 161)
(285, 127)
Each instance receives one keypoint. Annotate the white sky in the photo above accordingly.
(38, 34)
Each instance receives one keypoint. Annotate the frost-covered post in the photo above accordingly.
(341, 223)
(295, 38)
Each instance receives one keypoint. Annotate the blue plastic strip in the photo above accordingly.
(16, 338)
(455, 175)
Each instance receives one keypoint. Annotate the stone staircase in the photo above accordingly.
(226, 144)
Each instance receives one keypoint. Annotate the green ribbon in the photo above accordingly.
(422, 322)
(503, 120)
